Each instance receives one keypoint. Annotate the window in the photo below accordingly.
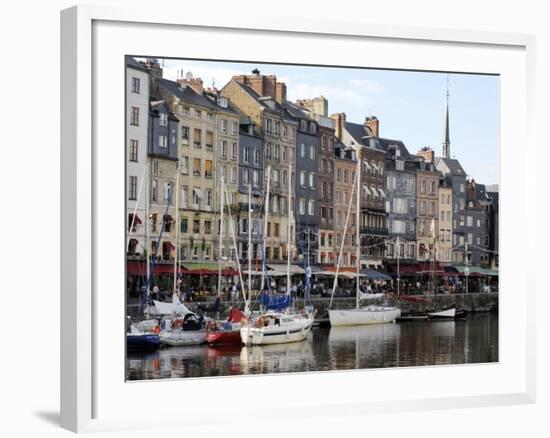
(185, 132)
(303, 178)
(246, 151)
(132, 188)
(469, 221)
(432, 187)
(432, 208)
(277, 152)
(163, 119)
(276, 178)
(398, 227)
(245, 176)
(196, 197)
(461, 221)
(255, 178)
(168, 193)
(208, 173)
(302, 206)
(470, 238)
(210, 116)
(461, 188)
(256, 156)
(399, 205)
(135, 85)
(154, 190)
(197, 138)
(209, 143)
(422, 186)
(399, 165)
(223, 125)
(207, 227)
(312, 180)
(233, 175)
(311, 207)
(339, 175)
(312, 152)
(196, 226)
(234, 151)
(285, 178)
(285, 153)
(163, 141)
(196, 166)
(224, 149)
(183, 225)
(268, 124)
(422, 207)
(133, 150)
(184, 196)
(234, 127)
(134, 116)
(198, 114)
(461, 204)
(478, 223)
(302, 150)
(275, 204)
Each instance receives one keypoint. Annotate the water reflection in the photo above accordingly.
(474, 340)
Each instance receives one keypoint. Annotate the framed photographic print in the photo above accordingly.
(317, 216)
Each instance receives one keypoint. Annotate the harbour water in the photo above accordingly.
(404, 344)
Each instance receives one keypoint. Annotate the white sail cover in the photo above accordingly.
(364, 296)
(176, 306)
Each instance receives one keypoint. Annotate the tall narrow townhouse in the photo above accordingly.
(137, 115)
(306, 185)
(401, 169)
(477, 228)
(162, 151)
(198, 217)
(278, 131)
(444, 245)
(373, 228)
(427, 210)
(345, 226)
(317, 109)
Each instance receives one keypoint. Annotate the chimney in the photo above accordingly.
(427, 154)
(317, 105)
(264, 85)
(280, 92)
(340, 119)
(374, 125)
(194, 83)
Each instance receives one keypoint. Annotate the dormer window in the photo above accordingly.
(163, 119)
(222, 101)
(399, 165)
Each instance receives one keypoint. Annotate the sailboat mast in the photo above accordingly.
(249, 245)
(288, 231)
(177, 229)
(358, 228)
(235, 247)
(220, 245)
(398, 253)
(266, 214)
(147, 254)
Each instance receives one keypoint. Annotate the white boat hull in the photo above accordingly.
(179, 338)
(295, 331)
(447, 313)
(363, 316)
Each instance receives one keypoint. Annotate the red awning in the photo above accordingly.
(139, 268)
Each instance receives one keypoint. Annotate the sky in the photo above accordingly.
(410, 105)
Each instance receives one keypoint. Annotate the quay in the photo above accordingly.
(474, 302)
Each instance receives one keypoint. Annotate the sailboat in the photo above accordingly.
(370, 314)
(275, 326)
(229, 331)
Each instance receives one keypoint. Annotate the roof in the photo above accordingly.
(360, 133)
(132, 63)
(452, 164)
(189, 95)
(385, 144)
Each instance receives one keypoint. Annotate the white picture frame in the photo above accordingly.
(92, 396)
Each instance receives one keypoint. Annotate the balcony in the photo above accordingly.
(374, 231)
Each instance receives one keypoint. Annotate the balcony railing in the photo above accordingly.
(374, 231)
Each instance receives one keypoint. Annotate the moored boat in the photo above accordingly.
(447, 313)
(226, 332)
(142, 342)
(277, 328)
(363, 315)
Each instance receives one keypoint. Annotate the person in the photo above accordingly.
(155, 293)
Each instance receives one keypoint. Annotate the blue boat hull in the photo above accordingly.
(145, 343)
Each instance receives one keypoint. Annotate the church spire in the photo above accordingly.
(447, 141)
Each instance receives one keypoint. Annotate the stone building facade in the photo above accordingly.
(444, 245)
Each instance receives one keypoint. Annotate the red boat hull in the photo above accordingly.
(223, 337)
